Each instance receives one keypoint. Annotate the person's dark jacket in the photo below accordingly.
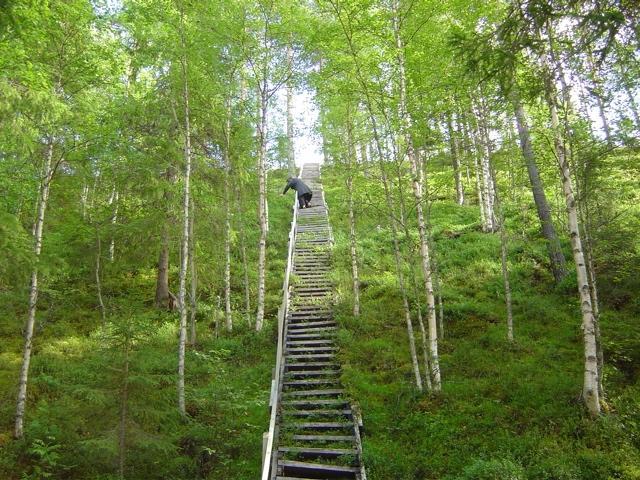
(298, 185)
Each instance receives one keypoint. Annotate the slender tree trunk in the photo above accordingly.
(486, 142)
(227, 223)
(603, 115)
(243, 255)
(354, 250)
(163, 294)
(593, 290)
(485, 181)
(353, 242)
(401, 283)
(597, 93)
(193, 294)
(262, 210)
(465, 150)
(103, 312)
(455, 160)
(83, 200)
(556, 257)
(378, 145)
(185, 231)
(113, 200)
(591, 389)
(414, 283)
(43, 199)
(434, 260)
(504, 248)
(479, 189)
(291, 161)
(505, 276)
(417, 193)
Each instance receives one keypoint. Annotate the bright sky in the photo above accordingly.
(307, 143)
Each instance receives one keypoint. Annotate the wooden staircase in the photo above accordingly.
(315, 432)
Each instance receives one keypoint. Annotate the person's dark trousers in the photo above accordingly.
(304, 200)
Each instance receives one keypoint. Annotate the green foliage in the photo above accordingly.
(506, 410)
(104, 82)
(493, 470)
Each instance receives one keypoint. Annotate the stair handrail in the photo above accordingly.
(282, 315)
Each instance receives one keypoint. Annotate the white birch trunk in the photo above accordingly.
(262, 201)
(401, 283)
(243, 255)
(414, 283)
(417, 193)
(227, 224)
(503, 262)
(486, 184)
(353, 242)
(354, 250)
(113, 200)
(43, 199)
(455, 160)
(185, 234)
(103, 312)
(380, 152)
(505, 278)
(481, 202)
(590, 390)
(83, 200)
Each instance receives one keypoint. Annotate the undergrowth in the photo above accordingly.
(507, 411)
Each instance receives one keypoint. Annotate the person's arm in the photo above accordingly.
(286, 188)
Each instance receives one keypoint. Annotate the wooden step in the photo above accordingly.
(311, 373)
(298, 350)
(315, 452)
(315, 393)
(309, 311)
(327, 471)
(319, 321)
(324, 438)
(321, 425)
(311, 332)
(298, 356)
(316, 403)
(310, 342)
(311, 382)
(310, 365)
(320, 411)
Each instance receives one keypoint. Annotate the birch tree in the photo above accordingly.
(186, 212)
(48, 171)
(268, 81)
(417, 193)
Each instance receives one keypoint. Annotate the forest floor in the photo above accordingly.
(506, 410)
(77, 378)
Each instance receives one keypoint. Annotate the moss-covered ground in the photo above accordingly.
(506, 410)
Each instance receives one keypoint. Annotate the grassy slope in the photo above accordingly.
(506, 411)
(76, 379)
